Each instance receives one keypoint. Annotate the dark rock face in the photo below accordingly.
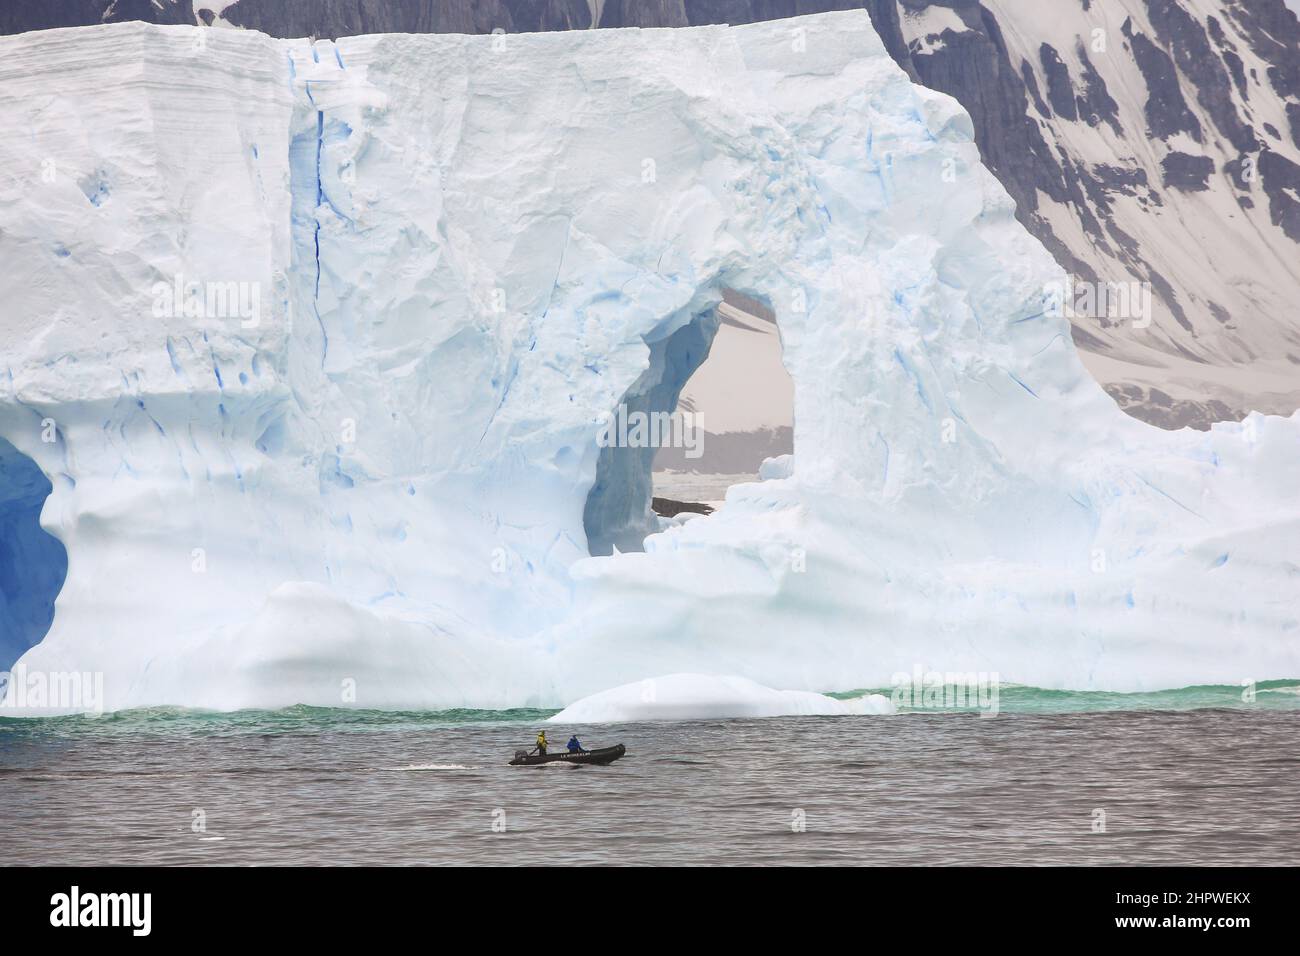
(1060, 91)
(1281, 182)
(1273, 33)
(885, 17)
(1095, 102)
(645, 13)
(1156, 408)
(1187, 172)
(1092, 103)
(540, 16)
(1179, 31)
(1010, 141)
(1166, 109)
(320, 18)
(719, 11)
(21, 16)
(668, 508)
(335, 18)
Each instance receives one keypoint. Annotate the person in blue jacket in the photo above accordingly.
(575, 746)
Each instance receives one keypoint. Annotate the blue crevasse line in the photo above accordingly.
(320, 145)
(511, 374)
(874, 166)
(139, 402)
(1169, 496)
(171, 355)
(1015, 378)
(1058, 335)
(341, 131)
(320, 194)
(916, 379)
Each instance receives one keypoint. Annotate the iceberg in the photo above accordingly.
(708, 697)
(313, 343)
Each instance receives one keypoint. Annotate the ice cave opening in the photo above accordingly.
(33, 563)
(715, 402)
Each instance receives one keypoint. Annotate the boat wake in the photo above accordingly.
(426, 767)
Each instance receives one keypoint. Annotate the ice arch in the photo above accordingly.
(33, 563)
(617, 513)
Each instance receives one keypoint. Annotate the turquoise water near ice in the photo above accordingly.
(1012, 699)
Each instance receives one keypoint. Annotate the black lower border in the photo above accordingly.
(298, 905)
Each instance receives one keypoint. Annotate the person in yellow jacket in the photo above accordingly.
(541, 742)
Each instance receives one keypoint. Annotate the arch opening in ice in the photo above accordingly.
(742, 402)
(617, 514)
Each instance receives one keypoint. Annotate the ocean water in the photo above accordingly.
(704, 487)
(1196, 776)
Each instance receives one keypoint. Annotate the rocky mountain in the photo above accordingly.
(1152, 145)
(1156, 142)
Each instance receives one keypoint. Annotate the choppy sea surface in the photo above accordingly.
(1192, 776)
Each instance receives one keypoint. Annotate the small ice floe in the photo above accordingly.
(709, 697)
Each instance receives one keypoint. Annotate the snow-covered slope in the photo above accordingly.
(1149, 141)
(378, 486)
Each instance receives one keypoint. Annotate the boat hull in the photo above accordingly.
(599, 757)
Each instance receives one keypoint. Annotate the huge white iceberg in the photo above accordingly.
(313, 343)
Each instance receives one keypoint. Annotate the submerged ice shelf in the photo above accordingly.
(374, 487)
